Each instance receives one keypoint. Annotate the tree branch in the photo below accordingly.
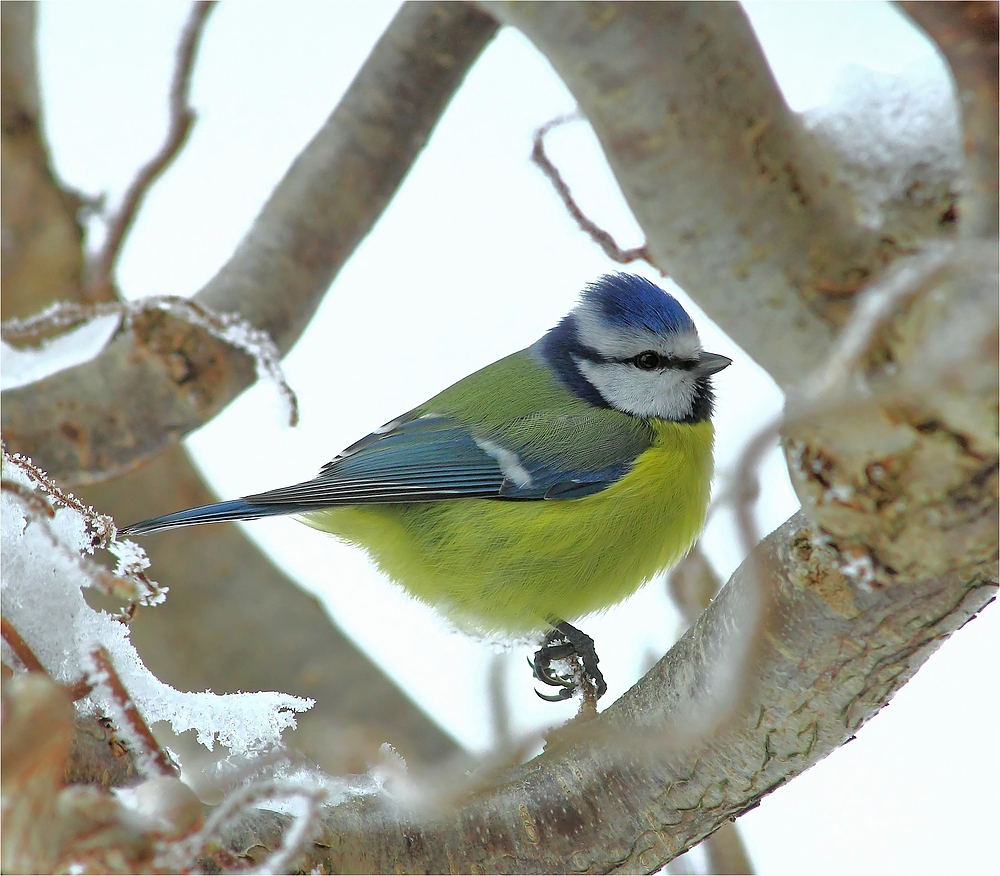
(357, 705)
(967, 35)
(740, 204)
(41, 239)
(601, 237)
(177, 378)
(811, 637)
(695, 743)
(181, 115)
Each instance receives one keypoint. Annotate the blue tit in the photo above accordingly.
(542, 488)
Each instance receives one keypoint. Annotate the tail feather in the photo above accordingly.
(237, 509)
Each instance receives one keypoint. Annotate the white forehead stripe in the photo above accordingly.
(618, 342)
(508, 461)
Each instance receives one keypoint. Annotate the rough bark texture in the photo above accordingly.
(740, 204)
(42, 239)
(225, 596)
(699, 740)
(967, 34)
(891, 438)
(178, 377)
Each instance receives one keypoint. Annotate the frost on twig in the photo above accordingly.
(46, 564)
(304, 798)
(155, 826)
(41, 494)
(61, 656)
(601, 237)
(230, 328)
(151, 759)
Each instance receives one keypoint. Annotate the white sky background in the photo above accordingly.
(476, 258)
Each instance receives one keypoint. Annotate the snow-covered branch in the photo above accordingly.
(176, 376)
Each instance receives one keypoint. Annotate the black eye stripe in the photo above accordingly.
(651, 360)
(663, 361)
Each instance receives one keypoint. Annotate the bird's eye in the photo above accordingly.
(647, 360)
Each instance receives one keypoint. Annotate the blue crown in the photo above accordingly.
(627, 300)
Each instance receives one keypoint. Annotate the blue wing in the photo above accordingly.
(430, 458)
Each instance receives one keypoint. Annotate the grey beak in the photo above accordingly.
(709, 363)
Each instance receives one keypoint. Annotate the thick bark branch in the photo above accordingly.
(904, 476)
(174, 376)
(41, 237)
(732, 712)
(814, 633)
(740, 204)
(208, 635)
(966, 33)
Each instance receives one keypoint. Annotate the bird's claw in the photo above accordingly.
(566, 642)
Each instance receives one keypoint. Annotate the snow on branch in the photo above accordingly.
(73, 422)
(46, 563)
(230, 328)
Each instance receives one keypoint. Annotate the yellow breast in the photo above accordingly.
(511, 566)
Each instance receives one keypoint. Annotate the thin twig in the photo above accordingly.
(692, 584)
(727, 853)
(601, 237)
(21, 649)
(100, 526)
(136, 729)
(181, 118)
(297, 834)
(29, 497)
(23, 652)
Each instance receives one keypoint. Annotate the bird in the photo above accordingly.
(545, 487)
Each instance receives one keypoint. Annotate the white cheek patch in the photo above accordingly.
(667, 394)
(624, 342)
(509, 462)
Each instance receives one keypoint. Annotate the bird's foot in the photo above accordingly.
(566, 643)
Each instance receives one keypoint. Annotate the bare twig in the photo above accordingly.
(692, 583)
(23, 652)
(177, 378)
(181, 117)
(499, 702)
(20, 648)
(601, 237)
(131, 723)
